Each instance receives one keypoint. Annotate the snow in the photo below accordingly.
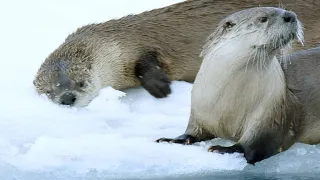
(114, 136)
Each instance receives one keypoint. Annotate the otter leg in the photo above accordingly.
(183, 139)
(151, 76)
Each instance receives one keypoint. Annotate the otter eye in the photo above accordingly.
(263, 19)
(81, 84)
(48, 92)
(229, 25)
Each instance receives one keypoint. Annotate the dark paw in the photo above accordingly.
(152, 77)
(254, 156)
(183, 139)
(222, 150)
(158, 87)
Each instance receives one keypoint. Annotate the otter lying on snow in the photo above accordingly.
(240, 92)
(149, 49)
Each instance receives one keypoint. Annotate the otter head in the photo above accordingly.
(262, 31)
(66, 78)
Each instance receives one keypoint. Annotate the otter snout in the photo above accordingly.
(68, 99)
(289, 17)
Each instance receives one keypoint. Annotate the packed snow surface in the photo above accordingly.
(114, 136)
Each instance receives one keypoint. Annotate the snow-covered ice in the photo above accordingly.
(112, 137)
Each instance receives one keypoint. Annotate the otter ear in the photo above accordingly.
(228, 25)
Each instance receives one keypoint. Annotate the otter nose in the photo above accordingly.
(289, 17)
(68, 99)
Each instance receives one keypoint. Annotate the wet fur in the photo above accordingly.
(106, 54)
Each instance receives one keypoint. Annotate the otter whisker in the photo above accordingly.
(266, 56)
(300, 33)
(251, 56)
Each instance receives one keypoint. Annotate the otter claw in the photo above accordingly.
(222, 150)
(183, 139)
(163, 140)
(157, 87)
(213, 150)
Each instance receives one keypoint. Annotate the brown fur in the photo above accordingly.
(105, 54)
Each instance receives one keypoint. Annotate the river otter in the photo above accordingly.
(240, 92)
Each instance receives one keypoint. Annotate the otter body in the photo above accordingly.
(149, 49)
(302, 76)
(240, 92)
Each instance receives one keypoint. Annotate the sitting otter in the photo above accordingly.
(240, 92)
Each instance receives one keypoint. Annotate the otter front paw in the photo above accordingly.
(157, 84)
(148, 70)
(183, 139)
(222, 150)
